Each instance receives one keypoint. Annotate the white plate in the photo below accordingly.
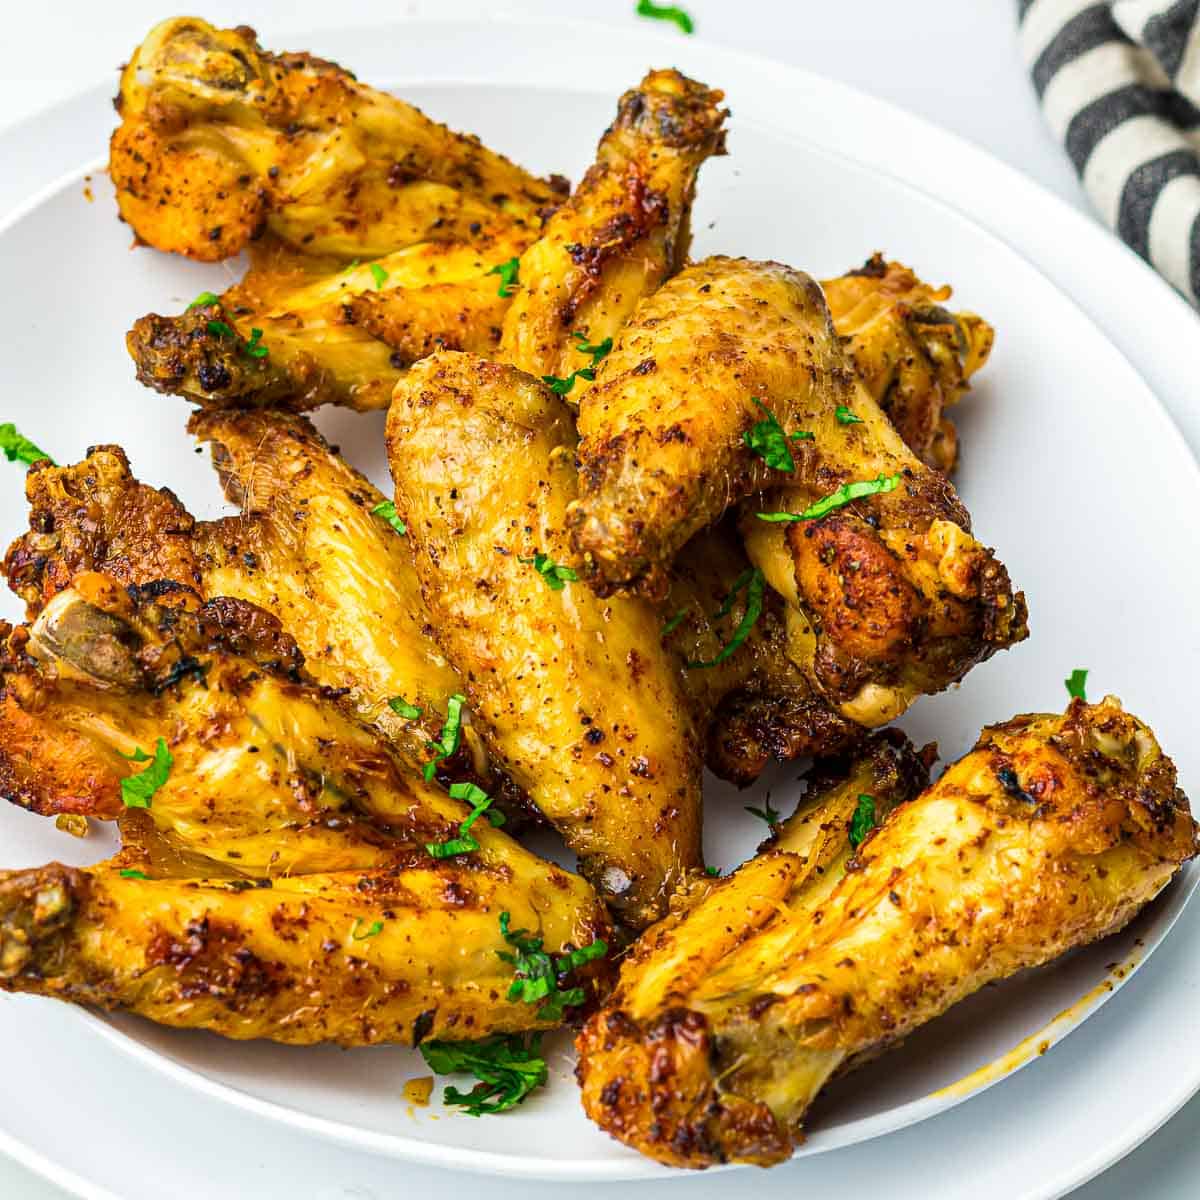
(1067, 454)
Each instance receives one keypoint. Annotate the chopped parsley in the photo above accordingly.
(846, 417)
(137, 790)
(562, 386)
(254, 347)
(205, 299)
(863, 820)
(712, 872)
(387, 510)
(402, 708)
(465, 843)
(352, 266)
(1076, 685)
(674, 623)
(666, 12)
(844, 495)
(221, 329)
(379, 275)
(129, 873)
(766, 813)
(374, 928)
(768, 440)
(536, 974)
(753, 581)
(447, 743)
(16, 447)
(508, 276)
(508, 1067)
(556, 577)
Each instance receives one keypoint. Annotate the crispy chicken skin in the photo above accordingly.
(576, 696)
(220, 141)
(1053, 832)
(888, 598)
(624, 230)
(331, 335)
(913, 355)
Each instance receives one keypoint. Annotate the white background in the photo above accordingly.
(954, 62)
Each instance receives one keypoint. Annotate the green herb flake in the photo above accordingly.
(766, 813)
(352, 266)
(562, 387)
(666, 12)
(465, 843)
(129, 873)
(767, 439)
(555, 576)
(598, 351)
(402, 708)
(254, 347)
(846, 417)
(536, 975)
(447, 743)
(508, 276)
(205, 299)
(1076, 685)
(508, 1066)
(220, 329)
(16, 447)
(863, 820)
(674, 623)
(712, 872)
(379, 275)
(844, 495)
(754, 582)
(137, 790)
(374, 928)
(387, 510)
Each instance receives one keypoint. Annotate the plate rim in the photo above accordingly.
(925, 129)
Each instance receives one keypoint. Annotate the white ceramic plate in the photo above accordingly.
(1066, 453)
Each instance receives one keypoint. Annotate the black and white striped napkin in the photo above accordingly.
(1119, 84)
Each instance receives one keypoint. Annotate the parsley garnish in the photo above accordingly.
(204, 300)
(1077, 684)
(863, 820)
(556, 577)
(847, 493)
(447, 743)
(138, 790)
(598, 351)
(379, 275)
(674, 623)
(18, 448)
(766, 813)
(374, 928)
(753, 581)
(666, 12)
(221, 329)
(129, 873)
(536, 974)
(560, 386)
(465, 843)
(767, 439)
(351, 266)
(507, 1066)
(846, 417)
(387, 510)
(402, 708)
(254, 347)
(712, 872)
(508, 276)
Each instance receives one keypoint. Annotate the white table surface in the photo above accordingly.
(952, 61)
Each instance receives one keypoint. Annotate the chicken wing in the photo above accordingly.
(913, 355)
(220, 140)
(576, 696)
(1053, 832)
(729, 381)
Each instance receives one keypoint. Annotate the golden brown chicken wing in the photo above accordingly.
(220, 140)
(576, 696)
(1053, 832)
(912, 354)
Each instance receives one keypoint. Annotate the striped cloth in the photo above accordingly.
(1119, 84)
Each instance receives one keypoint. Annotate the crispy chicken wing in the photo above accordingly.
(220, 140)
(887, 599)
(1053, 832)
(913, 355)
(624, 230)
(577, 697)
